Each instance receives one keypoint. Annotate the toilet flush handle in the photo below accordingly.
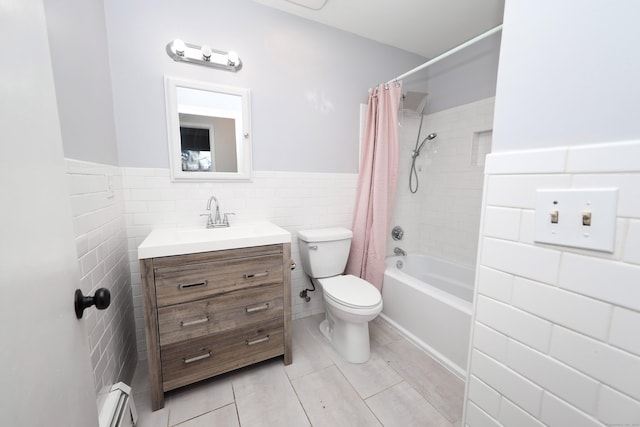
(313, 247)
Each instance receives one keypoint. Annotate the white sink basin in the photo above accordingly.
(188, 240)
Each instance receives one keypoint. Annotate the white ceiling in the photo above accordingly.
(425, 27)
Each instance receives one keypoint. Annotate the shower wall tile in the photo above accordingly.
(442, 218)
(585, 356)
(292, 200)
(101, 246)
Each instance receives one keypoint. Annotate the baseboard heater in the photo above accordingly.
(118, 409)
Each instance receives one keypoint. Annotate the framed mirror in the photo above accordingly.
(209, 131)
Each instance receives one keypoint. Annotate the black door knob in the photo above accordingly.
(101, 300)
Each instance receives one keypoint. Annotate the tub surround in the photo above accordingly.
(443, 218)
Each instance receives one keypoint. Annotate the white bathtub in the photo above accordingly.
(430, 301)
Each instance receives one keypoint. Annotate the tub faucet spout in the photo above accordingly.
(399, 251)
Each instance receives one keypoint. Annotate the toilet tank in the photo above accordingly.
(324, 251)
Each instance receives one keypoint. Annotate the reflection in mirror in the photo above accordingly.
(208, 131)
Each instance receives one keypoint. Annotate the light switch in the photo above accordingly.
(580, 218)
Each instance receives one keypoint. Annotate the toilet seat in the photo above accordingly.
(351, 291)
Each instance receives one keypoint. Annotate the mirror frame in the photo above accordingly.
(243, 131)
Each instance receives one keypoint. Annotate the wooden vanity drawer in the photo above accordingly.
(236, 309)
(186, 362)
(178, 284)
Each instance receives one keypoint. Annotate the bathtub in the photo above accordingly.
(429, 301)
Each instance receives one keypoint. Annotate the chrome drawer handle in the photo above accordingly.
(254, 275)
(195, 322)
(258, 341)
(262, 307)
(192, 285)
(196, 358)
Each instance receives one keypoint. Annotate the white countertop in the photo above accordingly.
(186, 240)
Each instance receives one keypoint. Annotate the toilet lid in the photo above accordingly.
(351, 291)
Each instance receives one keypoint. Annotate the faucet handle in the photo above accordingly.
(209, 222)
(225, 220)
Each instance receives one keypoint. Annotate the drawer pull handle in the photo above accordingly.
(262, 307)
(258, 341)
(195, 322)
(196, 358)
(192, 285)
(255, 275)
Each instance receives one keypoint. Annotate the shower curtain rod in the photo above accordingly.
(450, 52)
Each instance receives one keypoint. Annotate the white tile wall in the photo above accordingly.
(507, 382)
(292, 200)
(443, 218)
(515, 323)
(512, 415)
(570, 316)
(103, 261)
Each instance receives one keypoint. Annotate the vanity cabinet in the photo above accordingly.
(213, 312)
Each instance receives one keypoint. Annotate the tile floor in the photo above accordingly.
(399, 386)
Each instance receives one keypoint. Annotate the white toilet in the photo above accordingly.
(349, 302)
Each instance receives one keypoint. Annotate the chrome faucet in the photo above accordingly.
(399, 251)
(213, 218)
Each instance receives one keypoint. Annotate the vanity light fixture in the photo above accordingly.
(203, 55)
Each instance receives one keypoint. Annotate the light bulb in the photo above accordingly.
(206, 53)
(232, 58)
(179, 47)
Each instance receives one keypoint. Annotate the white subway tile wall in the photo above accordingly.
(442, 218)
(291, 200)
(569, 318)
(101, 244)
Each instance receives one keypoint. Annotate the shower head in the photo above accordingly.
(429, 137)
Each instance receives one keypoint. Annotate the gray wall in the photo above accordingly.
(307, 80)
(466, 76)
(78, 45)
(592, 97)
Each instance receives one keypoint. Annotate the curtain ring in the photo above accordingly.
(397, 83)
(386, 86)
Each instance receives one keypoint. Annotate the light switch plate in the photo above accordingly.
(570, 206)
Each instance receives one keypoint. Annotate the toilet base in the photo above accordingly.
(350, 340)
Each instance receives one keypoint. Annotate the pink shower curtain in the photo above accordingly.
(376, 191)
